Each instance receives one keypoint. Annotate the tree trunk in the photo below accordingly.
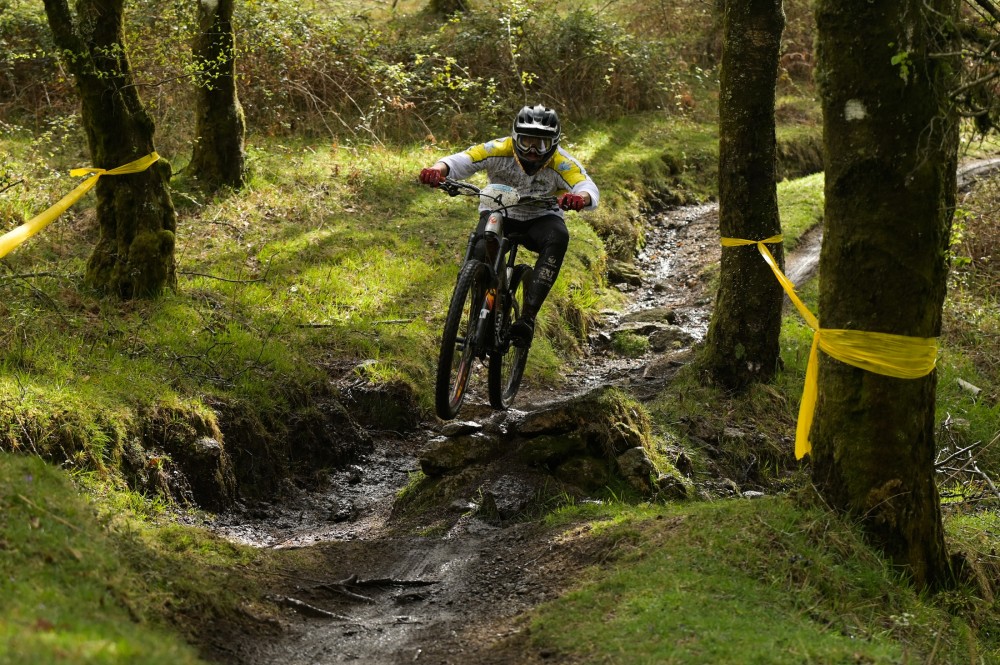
(890, 191)
(218, 158)
(134, 255)
(742, 346)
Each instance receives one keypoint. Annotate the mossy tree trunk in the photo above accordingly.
(890, 151)
(219, 158)
(134, 256)
(742, 344)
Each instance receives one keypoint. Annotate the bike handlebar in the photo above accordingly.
(461, 188)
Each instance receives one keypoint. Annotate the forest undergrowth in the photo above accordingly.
(101, 399)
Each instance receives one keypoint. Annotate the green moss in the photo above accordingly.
(69, 585)
(629, 344)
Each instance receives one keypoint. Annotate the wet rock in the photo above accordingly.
(621, 272)
(460, 427)
(643, 328)
(610, 422)
(663, 367)
(652, 315)
(194, 442)
(355, 474)
(587, 473)
(341, 511)
(569, 447)
(556, 420)
(517, 496)
(601, 341)
(727, 487)
(636, 467)
(550, 450)
(462, 506)
(683, 464)
(670, 337)
(388, 406)
(623, 436)
(447, 454)
(671, 488)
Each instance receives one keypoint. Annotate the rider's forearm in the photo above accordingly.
(589, 193)
(442, 167)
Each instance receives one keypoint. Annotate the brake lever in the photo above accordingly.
(450, 188)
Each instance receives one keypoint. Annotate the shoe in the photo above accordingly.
(522, 331)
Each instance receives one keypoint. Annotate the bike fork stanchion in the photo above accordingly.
(470, 248)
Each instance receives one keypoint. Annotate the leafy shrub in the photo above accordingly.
(32, 85)
(317, 73)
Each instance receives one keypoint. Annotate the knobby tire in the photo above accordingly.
(508, 361)
(458, 351)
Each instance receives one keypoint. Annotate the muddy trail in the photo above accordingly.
(448, 587)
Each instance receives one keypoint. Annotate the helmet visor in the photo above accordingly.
(539, 144)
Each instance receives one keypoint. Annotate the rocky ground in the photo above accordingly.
(398, 584)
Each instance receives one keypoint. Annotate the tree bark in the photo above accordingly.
(742, 345)
(890, 145)
(219, 158)
(134, 255)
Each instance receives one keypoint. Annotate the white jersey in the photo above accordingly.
(561, 174)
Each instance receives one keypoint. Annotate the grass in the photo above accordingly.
(800, 206)
(768, 581)
(69, 592)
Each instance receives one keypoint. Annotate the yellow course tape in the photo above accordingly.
(10, 240)
(897, 356)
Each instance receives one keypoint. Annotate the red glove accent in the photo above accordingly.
(571, 202)
(431, 177)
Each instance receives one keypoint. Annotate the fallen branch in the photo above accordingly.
(28, 275)
(47, 512)
(963, 462)
(310, 610)
(9, 186)
(385, 322)
(391, 581)
(341, 587)
(221, 279)
(940, 464)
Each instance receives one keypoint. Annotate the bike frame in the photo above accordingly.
(501, 267)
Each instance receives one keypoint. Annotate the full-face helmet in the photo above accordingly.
(536, 137)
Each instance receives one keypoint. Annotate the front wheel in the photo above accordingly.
(507, 362)
(458, 344)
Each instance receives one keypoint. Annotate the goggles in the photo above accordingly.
(538, 143)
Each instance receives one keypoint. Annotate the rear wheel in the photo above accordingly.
(458, 346)
(508, 361)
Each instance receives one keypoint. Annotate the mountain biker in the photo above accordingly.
(531, 161)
